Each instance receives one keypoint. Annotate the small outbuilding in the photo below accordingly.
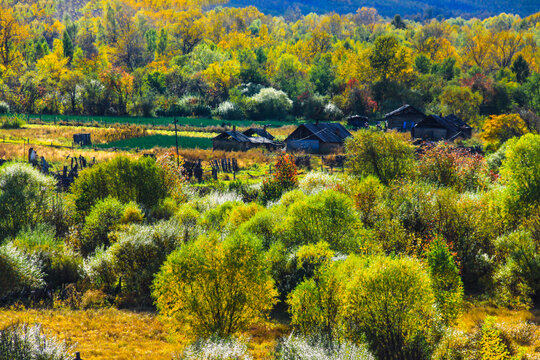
(404, 118)
(357, 122)
(435, 128)
(255, 132)
(320, 138)
(82, 139)
(237, 141)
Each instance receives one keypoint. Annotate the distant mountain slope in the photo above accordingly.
(406, 8)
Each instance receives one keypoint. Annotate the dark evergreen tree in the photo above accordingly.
(398, 23)
(67, 45)
(520, 67)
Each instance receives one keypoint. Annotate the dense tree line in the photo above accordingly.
(175, 58)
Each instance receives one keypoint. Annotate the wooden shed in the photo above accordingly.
(357, 122)
(237, 141)
(404, 118)
(320, 138)
(82, 139)
(435, 128)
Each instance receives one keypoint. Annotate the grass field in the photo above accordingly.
(159, 121)
(110, 334)
(159, 140)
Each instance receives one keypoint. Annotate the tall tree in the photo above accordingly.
(387, 58)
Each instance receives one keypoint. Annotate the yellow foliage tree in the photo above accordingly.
(498, 129)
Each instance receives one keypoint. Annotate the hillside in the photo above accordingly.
(407, 8)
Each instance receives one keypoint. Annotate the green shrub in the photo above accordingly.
(268, 103)
(229, 111)
(327, 216)
(18, 270)
(520, 172)
(215, 287)
(28, 342)
(450, 166)
(264, 225)
(517, 279)
(314, 348)
(316, 304)
(99, 270)
(446, 282)
(24, 196)
(59, 264)
(215, 348)
(138, 255)
(127, 180)
(11, 122)
(368, 198)
(390, 304)
(4, 108)
(217, 218)
(386, 156)
(103, 218)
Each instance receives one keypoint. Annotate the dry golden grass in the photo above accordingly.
(52, 134)
(56, 155)
(475, 314)
(521, 326)
(110, 334)
(103, 334)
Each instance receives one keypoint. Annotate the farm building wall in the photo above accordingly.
(430, 133)
(403, 122)
(331, 148)
(229, 145)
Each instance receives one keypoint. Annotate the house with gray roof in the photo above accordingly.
(238, 141)
(403, 118)
(319, 138)
(434, 128)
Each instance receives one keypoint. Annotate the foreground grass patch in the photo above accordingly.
(111, 334)
(103, 334)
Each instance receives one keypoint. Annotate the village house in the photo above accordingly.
(319, 138)
(249, 139)
(404, 118)
(357, 122)
(434, 128)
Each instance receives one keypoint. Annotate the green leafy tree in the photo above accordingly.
(18, 270)
(446, 282)
(384, 155)
(520, 68)
(532, 91)
(67, 45)
(322, 74)
(460, 101)
(327, 216)
(216, 287)
(389, 303)
(316, 303)
(127, 180)
(24, 197)
(398, 22)
(520, 172)
(387, 58)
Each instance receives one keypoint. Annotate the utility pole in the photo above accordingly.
(176, 136)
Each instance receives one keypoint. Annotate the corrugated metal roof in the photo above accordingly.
(326, 132)
(242, 138)
(259, 131)
(451, 122)
(403, 109)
